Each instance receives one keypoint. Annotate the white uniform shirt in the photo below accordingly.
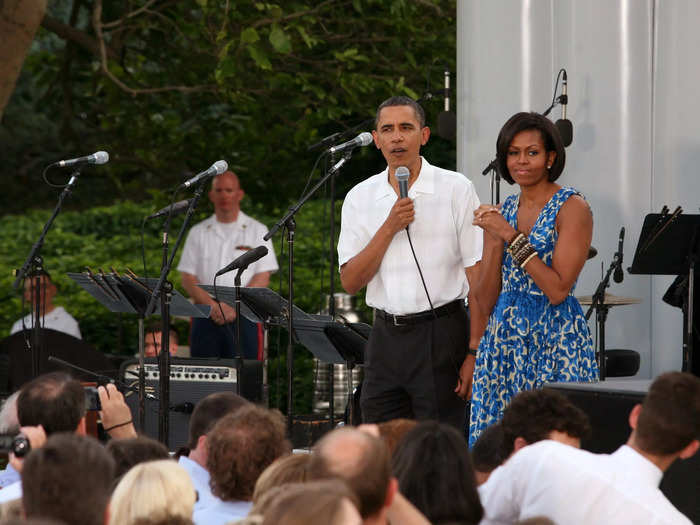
(572, 486)
(443, 236)
(58, 319)
(211, 245)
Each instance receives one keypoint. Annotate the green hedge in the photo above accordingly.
(109, 236)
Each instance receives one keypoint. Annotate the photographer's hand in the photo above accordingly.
(37, 438)
(115, 414)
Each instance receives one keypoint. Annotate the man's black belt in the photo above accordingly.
(420, 317)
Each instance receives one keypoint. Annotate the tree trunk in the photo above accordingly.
(19, 20)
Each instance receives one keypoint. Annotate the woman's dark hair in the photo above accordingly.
(525, 122)
(435, 473)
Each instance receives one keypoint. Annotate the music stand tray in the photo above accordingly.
(259, 305)
(668, 245)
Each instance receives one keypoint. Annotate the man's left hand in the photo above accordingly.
(466, 375)
(115, 414)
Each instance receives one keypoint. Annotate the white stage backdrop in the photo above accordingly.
(632, 99)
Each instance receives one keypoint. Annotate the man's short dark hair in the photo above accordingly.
(487, 451)
(526, 122)
(435, 473)
(368, 472)
(69, 478)
(55, 400)
(534, 414)
(130, 452)
(209, 410)
(670, 416)
(240, 447)
(401, 101)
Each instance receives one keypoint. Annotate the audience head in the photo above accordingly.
(435, 473)
(288, 469)
(487, 453)
(328, 502)
(668, 420)
(535, 415)
(69, 479)
(240, 447)
(392, 432)
(130, 452)
(526, 122)
(155, 492)
(9, 423)
(154, 337)
(209, 410)
(55, 400)
(362, 461)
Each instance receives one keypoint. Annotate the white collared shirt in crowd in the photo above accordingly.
(211, 245)
(57, 319)
(200, 479)
(573, 486)
(445, 240)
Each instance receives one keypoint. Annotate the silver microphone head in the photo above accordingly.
(365, 138)
(101, 157)
(220, 166)
(402, 173)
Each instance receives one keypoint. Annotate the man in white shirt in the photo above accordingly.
(211, 245)
(239, 448)
(416, 362)
(205, 415)
(52, 316)
(573, 486)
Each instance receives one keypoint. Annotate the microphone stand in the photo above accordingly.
(601, 314)
(163, 290)
(288, 222)
(239, 350)
(495, 180)
(33, 266)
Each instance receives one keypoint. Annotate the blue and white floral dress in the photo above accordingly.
(529, 341)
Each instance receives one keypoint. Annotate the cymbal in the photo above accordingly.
(610, 300)
(592, 252)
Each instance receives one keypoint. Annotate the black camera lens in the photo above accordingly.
(21, 446)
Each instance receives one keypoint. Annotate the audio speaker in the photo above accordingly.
(190, 381)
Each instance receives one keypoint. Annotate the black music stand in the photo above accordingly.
(668, 245)
(334, 343)
(131, 294)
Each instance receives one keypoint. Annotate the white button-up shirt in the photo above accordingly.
(572, 486)
(211, 245)
(58, 319)
(443, 236)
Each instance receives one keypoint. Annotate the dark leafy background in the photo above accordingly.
(180, 85)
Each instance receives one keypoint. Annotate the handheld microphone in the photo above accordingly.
(363, 139)
(447, 120)
(244, 260)
(564, 125)
(177, 208)
(618, 274)
(216, 169)
(402, 175)
(99, 157)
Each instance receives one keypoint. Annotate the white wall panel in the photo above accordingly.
(509, 52)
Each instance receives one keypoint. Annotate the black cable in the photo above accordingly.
(554, 95)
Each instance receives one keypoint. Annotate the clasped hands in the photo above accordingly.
(488, 217)
(229, 313)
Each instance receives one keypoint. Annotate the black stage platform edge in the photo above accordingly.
(608, 405)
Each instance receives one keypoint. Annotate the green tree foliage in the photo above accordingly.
(168, 87)
(108, 237)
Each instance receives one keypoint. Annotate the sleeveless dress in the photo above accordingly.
(529, 341)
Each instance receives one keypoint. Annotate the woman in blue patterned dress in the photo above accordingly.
(535, 246)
